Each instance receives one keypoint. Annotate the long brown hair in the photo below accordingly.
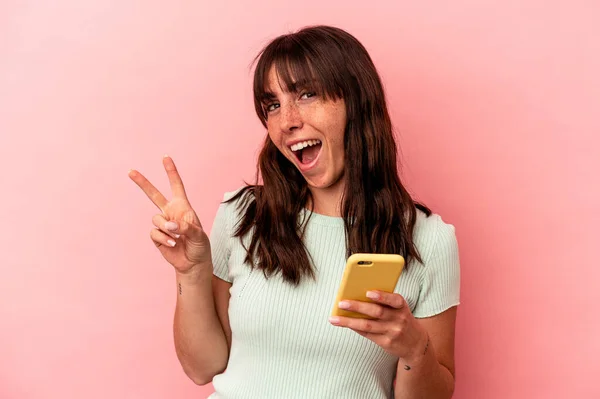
(379, 213)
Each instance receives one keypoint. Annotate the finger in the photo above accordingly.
(182, 227)
(160, 222)
(392, 300)
(373, 310)
(359, 325)
(176, 183)
(155, 196)
(159, 238)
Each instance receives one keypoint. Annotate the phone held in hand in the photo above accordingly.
(367, 272)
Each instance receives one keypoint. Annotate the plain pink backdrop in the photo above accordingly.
(497, 105)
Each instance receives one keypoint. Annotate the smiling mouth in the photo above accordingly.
(307, 151)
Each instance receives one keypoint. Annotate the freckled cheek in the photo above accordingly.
(337, 138)
(275, 138)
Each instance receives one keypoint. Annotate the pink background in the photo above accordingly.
(497, 104)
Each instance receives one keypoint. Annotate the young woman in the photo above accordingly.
(254, 300)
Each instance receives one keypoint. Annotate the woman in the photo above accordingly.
(254, 300)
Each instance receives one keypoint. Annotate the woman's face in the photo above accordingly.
(309, 131)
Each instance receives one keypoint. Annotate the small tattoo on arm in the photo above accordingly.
(406, 366)
(179, 288)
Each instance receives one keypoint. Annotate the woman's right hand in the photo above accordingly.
(178, 235)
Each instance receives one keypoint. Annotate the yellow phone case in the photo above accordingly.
(366, 272)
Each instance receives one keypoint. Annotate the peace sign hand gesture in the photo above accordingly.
(178, 235)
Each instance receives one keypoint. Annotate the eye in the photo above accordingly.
(308, 94)
(271, 107)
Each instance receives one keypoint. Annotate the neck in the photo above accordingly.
(327, 201)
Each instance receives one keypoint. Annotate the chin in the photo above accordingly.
(323, 184)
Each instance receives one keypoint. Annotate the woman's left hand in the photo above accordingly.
(393, 327)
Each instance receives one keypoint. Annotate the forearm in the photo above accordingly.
(200, 341)
(426, 379)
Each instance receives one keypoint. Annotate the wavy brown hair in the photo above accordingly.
(379, 214)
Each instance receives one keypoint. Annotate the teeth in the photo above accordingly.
(304, 144)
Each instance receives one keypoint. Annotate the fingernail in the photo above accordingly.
(171, 226)
(176, 235)
(334, 320)
(344, 305)
(165, 156)
(372, 295)
(171, 243)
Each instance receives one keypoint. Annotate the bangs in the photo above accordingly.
(300, 65)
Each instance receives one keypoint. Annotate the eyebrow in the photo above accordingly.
(294, 88)
(267, 96)
(302, 84)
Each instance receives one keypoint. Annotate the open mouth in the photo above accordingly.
(307, 151)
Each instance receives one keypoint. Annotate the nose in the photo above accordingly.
(290, 117)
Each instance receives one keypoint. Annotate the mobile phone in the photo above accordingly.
(366, 272)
